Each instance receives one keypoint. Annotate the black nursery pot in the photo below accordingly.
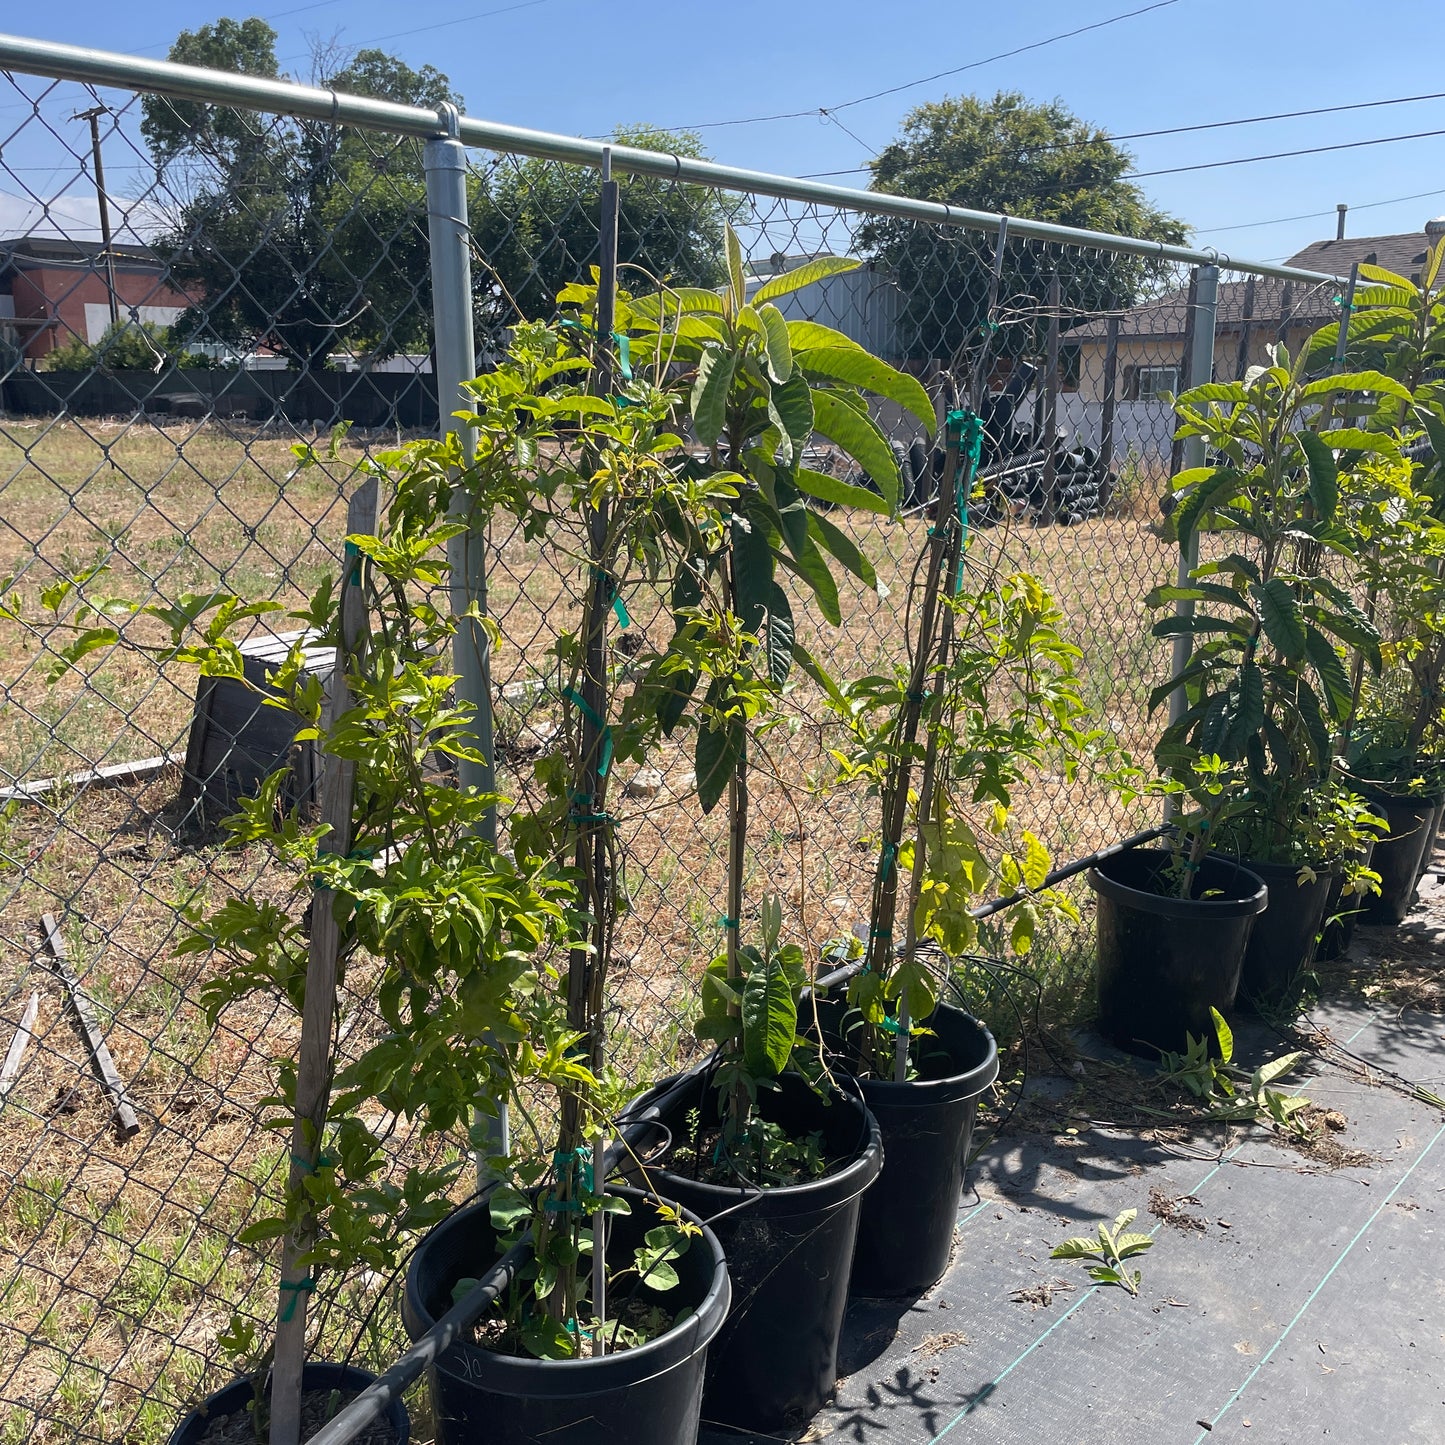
(1432, 839)
(236, 1398)
(788, 1249)
(1341, 914)
(905, 1229)
(650, 1395)
(1282, 945)
(1399, 854)
(1165, 962)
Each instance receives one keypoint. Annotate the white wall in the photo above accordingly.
(1144, 427)
(97, 317)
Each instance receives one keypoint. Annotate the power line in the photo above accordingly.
(1181, 129)
(939, 75)
(1348, 145)
(443, 24)
(1319, 215)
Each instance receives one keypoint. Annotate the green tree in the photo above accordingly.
(304, 236)
(536, 227)
(1011, 155)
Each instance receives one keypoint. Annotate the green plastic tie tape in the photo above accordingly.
(889, 1026)
(614, 596)
(353, 564)
(726, 922)
(604, 759)
(888, 859)
(624, 355)
(293, 1289)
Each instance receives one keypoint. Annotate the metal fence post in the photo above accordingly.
(456, 362)
(1111, 394)
(1050, 426)
(1200, 361)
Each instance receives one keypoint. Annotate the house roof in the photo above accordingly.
(1275, 302)
(26, 251)
(1307, 305)
(1402, 254)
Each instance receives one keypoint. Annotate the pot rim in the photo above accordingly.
(1167, 907)
(824, 1193)
(968, 1084)
(203, 1412)
(523, 1376)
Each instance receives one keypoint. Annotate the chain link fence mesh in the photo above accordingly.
(265, 283)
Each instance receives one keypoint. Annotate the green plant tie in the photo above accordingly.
(565, 1160)
(726, 922)
(888, 860)
(614, 596)
(890, 1025)
(293, 1289)
(604, 757)
(353, 559)
(966, 430)
(624, 355)
(323, 1161)
(582, 810)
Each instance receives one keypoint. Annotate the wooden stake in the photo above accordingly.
(314, 1064)
(11, 1067)
(126, 1122)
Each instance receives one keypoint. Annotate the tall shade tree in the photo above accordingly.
(1011, 155)
(302, 236)
(536, 227)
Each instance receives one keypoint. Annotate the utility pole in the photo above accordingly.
(93, 115)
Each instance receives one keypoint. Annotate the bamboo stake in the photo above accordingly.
(314, 1064)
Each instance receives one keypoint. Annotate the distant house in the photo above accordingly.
(53, 290)
(1251, 315)
(1150, 339)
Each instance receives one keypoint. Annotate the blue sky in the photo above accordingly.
(581, 67)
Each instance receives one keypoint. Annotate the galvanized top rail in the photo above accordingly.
(248, 92)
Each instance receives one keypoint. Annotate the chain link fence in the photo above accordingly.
(243, 280)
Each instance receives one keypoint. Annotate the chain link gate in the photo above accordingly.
(270, 277)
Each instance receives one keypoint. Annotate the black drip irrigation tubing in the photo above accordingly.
(372, 1402)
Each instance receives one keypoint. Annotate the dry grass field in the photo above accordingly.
(118, 1260)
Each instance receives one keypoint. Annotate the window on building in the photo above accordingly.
(1070, 367)
(1146, 383)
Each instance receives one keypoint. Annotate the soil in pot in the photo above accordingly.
(906, 1226)
(789, 1249)
(1165, 961)
(226, 1418)
(1282, 944)
(1399, 853)
(647, 1395)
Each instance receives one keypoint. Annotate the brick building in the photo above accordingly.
(53, 290)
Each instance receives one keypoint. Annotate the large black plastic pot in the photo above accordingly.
(1432, 838)
(1282, 944)
(1164, 962)
(236, 1399)
(905, 1229)
(1399, 853)
(1341, 914)
(788, 1250)
(650, 1395)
